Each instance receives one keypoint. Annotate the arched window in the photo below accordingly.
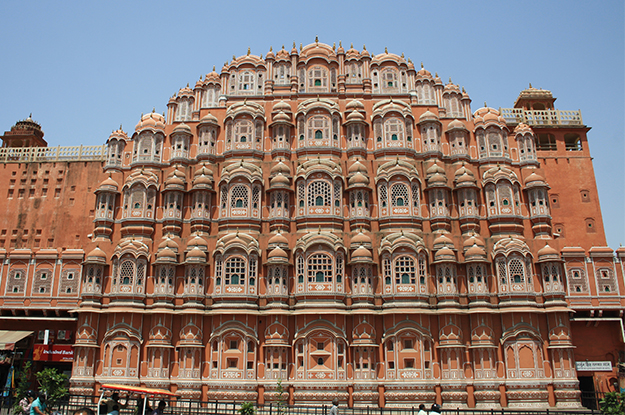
(394, 132)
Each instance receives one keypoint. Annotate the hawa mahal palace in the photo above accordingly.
(338, 221)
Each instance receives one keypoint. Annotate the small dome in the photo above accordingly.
(212, 77)
(534, 179)
(436, 175)
(358, 179)
(96, 256)
(456, 125)
(354, 105)
(444, 255)
(209, 119)
(361, 239)
(281, 106)
(451, 87)
(182, 129)
(118, 135)
(282, 118)
(186, 92)
(278, 252)
(474, 239)
(424, 73)
(152, 121)
(475, 254)
(361, 252)
(428, 116)
(203, 178)
(279, 180)
(280, 167)
(196, 255)
(442, 240)
(547, 253)
(175, 180)
(109, 184)
(278, 239)
(522, 128)
(166, 254)
(464, 177)
(435, 168)
(355, 116)
(356, 166)
(168, 243)
(198, 241)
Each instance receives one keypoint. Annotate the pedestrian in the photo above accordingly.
(113, 405)
(141, 409)
(422, 410)
(85, 410)
(39, 406)
(160, 409)
(335, 407)
(436, 409)
(26, 401)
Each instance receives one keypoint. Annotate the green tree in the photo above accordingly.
(613, 403)
(53, 384)
(247, 408)
(281, 397)
(23, 385)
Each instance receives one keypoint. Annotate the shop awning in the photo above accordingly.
(8, 338)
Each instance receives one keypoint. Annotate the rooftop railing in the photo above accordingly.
(541, 117)
(52, 154)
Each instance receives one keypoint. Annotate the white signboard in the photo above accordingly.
(599, 366)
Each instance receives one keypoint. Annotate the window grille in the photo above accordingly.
(405, 270)
(383, 195)
(319, 268)
(235, 271)
(126, 273)
(239, 197)
(399, 195)
(501, 271)
(319, 193)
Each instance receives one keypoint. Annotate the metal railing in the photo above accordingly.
(52, 154)
(195, 407)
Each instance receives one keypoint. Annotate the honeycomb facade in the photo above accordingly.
(339, 221)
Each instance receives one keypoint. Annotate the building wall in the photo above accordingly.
(352, 229)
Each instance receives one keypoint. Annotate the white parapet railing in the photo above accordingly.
(52, 154)
(541, 117)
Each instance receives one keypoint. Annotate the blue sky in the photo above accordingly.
(83, 68)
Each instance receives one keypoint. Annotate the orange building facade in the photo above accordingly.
(340, 222)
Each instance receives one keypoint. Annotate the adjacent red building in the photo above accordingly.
(341, 221)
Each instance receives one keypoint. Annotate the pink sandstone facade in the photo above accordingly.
(339, 221)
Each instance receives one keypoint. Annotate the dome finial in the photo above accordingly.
(248, 51)
(421, 65)
(213, 68)
(271, 48)
(530, 85)
(301, 47)
(333, 45)
(351, 46)
(316, 39)
(485, 106)
(402, 55)
(153, 109)
(385, 49)
(120, 127)
(364, 47)
(450, 79)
